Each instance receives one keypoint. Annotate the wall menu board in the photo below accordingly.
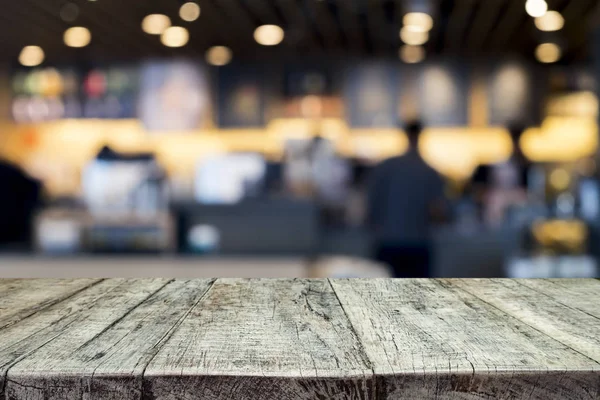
(241, 97)
(511, 94)
(46, 94)
(110, 92)
(444, 93)
(372, 95)
(173, 96)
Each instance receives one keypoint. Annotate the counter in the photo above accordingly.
(150, 266)
(166, 339)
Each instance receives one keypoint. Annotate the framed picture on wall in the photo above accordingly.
(443, 94)
(174, 96)
(511, 94)
(372, 95)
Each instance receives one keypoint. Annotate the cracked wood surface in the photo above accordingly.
(162, 339)
(431, 339)
(263, 339)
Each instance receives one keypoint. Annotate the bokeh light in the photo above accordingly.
(550, 22)
(189, 12)
(412, 54)
(418, 21)
(269, 35)
(548, 53)
(155, 24)
(77, 36)
(31, 56)
(218, 55)
(175, 36)
(414, 38)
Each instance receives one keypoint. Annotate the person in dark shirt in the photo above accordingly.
(18, 201)
(404, 196)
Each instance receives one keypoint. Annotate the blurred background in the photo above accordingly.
(444, 138)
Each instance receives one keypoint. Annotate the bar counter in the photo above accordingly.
(168, 339)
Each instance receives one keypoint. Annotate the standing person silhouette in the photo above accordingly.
(18, 202)
(404, 198)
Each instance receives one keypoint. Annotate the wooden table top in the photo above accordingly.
(161, 339)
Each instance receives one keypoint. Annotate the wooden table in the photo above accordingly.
(161, 339)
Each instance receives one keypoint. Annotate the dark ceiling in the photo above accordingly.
(313, 27)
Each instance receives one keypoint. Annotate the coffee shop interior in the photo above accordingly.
(282, 137)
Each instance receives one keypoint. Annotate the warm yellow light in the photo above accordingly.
(560, 179)
(51, 84)
(269, 35)
(449, 151)
(31, 56)
(77, 36)
(175, 36)
(536, 8)
(189, 11)
(412, 54)
(548, 53)
(218, 55)
(413, 38)
(418, 21)
(311, 106)
(562, 139)
(550, 22)
(155, 24)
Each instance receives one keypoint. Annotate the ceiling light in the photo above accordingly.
(412, 54)
(155, 24)
(548, 53)
(189, 12)
(31, 56)
(175, 36)
(77, 36)
(414, 38)
(418, 21)
(268, 35)
(536, 8)
(218, 55)
(550, 22)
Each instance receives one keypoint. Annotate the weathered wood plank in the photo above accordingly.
(262, 339)
(106, 360)
(569, 325)
(427, 339)
(20, 298)
(582, 294)
(95, 309)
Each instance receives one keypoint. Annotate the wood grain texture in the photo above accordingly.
(163, 339)
(19, 340)
(262, 339)
(553, 316)
(430, 339)
(20, 298)
(582, 294)
(103, 354)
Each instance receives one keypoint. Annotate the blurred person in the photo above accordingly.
(330, 180)
(501, 186)
(314, 170)
(405, 197)
(20, 198)
(504, 193)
